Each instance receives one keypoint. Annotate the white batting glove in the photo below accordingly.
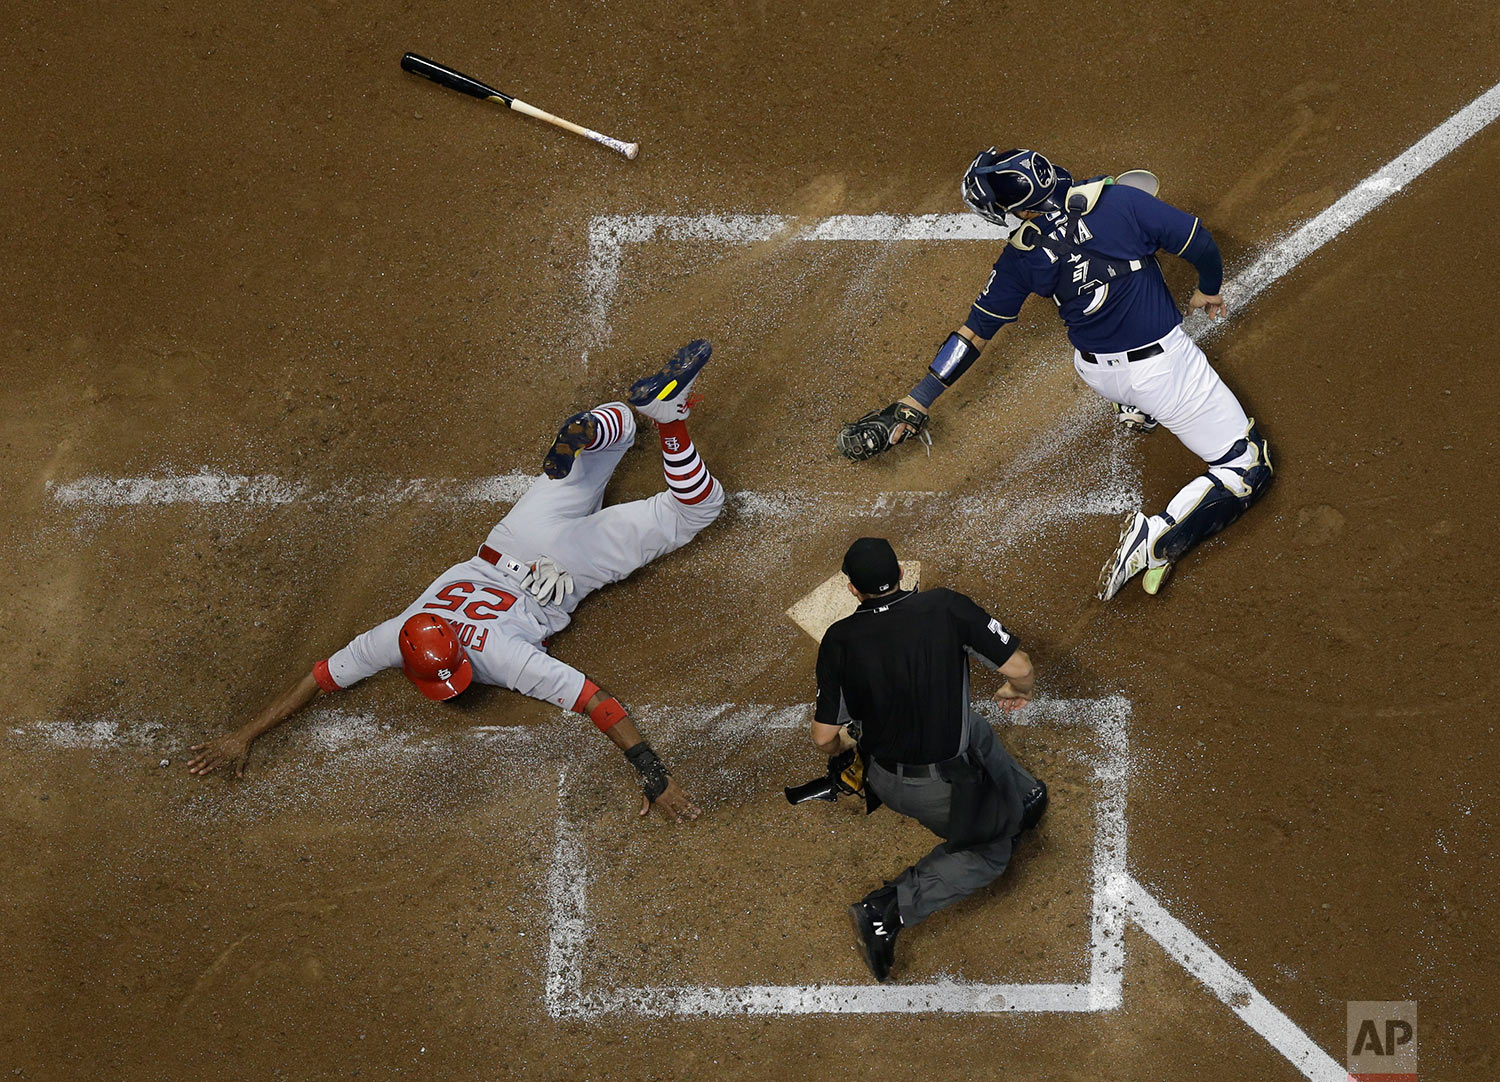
(548, 581)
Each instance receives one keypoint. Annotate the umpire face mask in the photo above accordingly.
(872, 567)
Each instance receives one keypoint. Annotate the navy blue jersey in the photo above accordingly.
(1135, 309)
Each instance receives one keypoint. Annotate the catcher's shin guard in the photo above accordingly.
(1213, 500)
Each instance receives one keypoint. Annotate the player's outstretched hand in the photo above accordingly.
(231, 751)
(673, 804)
(1212, 306)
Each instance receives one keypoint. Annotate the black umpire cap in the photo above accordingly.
(871, 565)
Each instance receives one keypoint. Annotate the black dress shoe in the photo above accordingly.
(877, 920)
(1034, 806)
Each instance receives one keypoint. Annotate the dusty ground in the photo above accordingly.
(246, 241)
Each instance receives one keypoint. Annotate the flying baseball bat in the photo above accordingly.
(464, 84)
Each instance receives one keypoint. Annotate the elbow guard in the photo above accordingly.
(956, 357)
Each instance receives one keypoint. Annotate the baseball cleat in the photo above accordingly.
(663, 397)
(1152, 580)
(1132, 556)
(1034, 805)
(877, 921)
(1136, 420)
(576, 433)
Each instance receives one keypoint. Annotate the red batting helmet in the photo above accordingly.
(432, 658)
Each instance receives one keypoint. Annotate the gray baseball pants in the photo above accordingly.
(945, 876)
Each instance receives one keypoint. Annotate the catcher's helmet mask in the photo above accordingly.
(997, 184)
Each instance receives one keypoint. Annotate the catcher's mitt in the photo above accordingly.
(872, 434)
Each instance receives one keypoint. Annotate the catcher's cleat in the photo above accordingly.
(664, 396)
(1132, 556)
(877, 921)
(1034, 806)
(1154, 577)
(576, 433)
(1137, 420)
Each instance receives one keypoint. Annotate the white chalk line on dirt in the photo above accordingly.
(1282, 257)
(567, 897)
(211, 488)
(1116, 895)
(1226, 983)
(333, 728)
(1117, 898)
(567, 996)
(609, 233)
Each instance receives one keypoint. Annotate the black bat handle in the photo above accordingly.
(453, 80)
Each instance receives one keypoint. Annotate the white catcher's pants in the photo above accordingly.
(1178, 387)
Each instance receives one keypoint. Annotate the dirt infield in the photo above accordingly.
(244, 247)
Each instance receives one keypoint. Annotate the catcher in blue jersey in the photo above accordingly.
(1091, 246)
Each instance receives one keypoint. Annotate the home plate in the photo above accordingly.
(832, 601)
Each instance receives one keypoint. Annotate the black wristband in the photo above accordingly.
(653, 773)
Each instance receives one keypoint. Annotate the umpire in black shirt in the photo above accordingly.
(899, 666)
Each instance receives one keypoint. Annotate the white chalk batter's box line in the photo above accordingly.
(568, 997)
(1117, 899)
(214, 488)
(1117, 892)
(609, 233)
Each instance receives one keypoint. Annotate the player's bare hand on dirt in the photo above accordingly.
(1212, 306)
(673, 804)
(231, 751)
(1009, 698)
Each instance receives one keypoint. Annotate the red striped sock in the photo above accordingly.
(611, 420)
(687, 476)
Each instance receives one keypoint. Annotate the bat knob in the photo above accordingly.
(631, 150)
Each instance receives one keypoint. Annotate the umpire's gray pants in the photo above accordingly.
(943, 876)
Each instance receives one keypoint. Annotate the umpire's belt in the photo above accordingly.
(1129, 355)
(912, 770)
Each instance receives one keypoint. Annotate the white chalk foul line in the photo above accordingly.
(1227, 984)
(1281, 258)
(568, 997)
